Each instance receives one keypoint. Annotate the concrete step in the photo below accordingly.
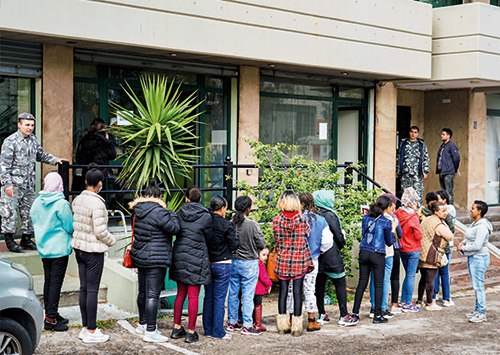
(69, 292)
(29, 258)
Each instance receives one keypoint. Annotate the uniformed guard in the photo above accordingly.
(20, 151)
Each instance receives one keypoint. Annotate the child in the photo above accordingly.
(264, 285)
(53, 223)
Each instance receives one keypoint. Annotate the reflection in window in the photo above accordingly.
(86, 108)
(283, 86)
(15, 97)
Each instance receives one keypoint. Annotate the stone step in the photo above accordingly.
(69, 292)
(29, 258)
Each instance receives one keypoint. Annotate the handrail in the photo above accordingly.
(463, 229)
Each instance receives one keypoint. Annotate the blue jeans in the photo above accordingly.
(387, 284)
(410, 263)
(477, 265)
(244, 276)
(215, 298)
(443, 276)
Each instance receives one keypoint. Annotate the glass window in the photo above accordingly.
(283, 86)
(15, 98)
(351, 93)
(441, 3)
(136, 73)
(86, 108)
(214, 82)
(85, 70)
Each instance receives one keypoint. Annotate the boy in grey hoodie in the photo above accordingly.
(475, 247)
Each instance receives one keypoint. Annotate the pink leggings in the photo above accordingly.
(192, 292)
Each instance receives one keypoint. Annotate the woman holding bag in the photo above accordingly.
(435, 237)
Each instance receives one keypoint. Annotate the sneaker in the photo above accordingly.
(401, 305)
(82, 333)
(53, 324)
(353, 320)
(323, 319)
(448, 303)
(419, 304)
(154, 337)
(191, 337)
(250, 331)
(387, 314)
(227, 336)
(61, 319)
(471, 314)
(396, 310)
(233, 327)
(478, 318)
(433, 307)
(141, 328)
(410, 308)
(95, 337)
(379, 320)
(372, 313)
(178, 333)
(343, 320)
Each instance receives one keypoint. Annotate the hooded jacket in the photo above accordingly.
(153, 231)
(190, 264)
(331, 260)
(294, 257)
(53, 223)
(450, 159)
(477, 238)
(412, 233)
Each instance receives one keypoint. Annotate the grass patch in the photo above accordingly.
(106, 324)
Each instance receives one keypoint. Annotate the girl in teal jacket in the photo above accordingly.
(53, 223)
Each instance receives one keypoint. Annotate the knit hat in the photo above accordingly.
(53, 183)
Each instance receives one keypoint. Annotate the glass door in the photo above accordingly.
(492, 157)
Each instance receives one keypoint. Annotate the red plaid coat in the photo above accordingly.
(294, 256)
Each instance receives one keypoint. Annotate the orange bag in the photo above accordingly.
(271, 263)
(127, 259)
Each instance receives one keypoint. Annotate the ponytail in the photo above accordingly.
(241, 204)
(378, 207)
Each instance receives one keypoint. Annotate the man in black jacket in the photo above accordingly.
(448, 161)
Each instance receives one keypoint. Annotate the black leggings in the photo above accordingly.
(340, 291)
(151, 282)
(370, 261)
(298, 287)
(54, 270)
(395, 277)
(90, 266)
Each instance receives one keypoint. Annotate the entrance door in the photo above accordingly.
(492, 156)
(403, 125)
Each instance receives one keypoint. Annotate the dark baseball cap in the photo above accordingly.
(26, 116)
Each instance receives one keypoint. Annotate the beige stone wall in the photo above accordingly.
(454, 115)
(385, 135)
(477, 147)
(57, 102)
(248, 119)
(414, 99)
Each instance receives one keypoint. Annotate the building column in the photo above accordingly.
(248, 119)
(57, 102)
(477, 148)
(385, 135)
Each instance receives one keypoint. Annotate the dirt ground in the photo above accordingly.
(443, 332)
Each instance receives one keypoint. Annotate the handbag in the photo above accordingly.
(271, 264)
(127, 259)
(441, 260)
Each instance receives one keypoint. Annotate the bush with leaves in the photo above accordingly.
(281, 169)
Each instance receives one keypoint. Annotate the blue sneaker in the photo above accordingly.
(411, 308)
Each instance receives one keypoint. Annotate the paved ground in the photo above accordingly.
(443, 332)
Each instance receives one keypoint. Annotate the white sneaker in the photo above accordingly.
(478, 318)
(141, 328)
(471, 314)
(433, 307)
(227, 336)
(82, 333)
(449, 303)
(154, 337)
(96, 337)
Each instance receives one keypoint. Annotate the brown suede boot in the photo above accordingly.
(312, 325)
(257, 320)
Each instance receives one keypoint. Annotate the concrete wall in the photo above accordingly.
(340, 34)
(477, 148)
(57, 102)
(454, 115)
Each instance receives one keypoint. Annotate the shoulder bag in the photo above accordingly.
(127, 259)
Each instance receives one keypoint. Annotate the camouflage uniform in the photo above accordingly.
(17, 168)
(409, 168)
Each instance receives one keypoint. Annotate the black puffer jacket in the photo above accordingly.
(223, 240)
(190, 258)
(331, 260)
(153, 231)
(96, 148)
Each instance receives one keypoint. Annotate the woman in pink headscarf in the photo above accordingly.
(53, 223)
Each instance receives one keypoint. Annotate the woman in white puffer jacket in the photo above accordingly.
(91, 240)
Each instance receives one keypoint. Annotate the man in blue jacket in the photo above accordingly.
(448, 161)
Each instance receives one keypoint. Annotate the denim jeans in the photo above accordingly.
(387, 284)
(410, 263)
(443, 276)
(244, 276)
(215, 298)
(477, 265)
(446, 182)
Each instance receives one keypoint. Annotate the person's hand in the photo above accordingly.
(107, 135)
(425, 176)
(60, 161)
(9, 191)
(394, 223)
(460, 247)
(269, 289)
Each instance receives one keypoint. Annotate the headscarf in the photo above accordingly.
(409, 197)
(53, 183)
(324, 199)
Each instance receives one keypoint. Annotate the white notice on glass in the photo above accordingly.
(323, 131)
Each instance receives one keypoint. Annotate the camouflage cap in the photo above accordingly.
(26, 116)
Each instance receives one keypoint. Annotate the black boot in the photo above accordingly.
(27, 243)
(11, 244)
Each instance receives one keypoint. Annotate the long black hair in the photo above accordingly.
(93, 175)
(152, 190)
(241, 204)
(378, 207)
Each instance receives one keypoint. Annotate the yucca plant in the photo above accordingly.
(160, 139)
